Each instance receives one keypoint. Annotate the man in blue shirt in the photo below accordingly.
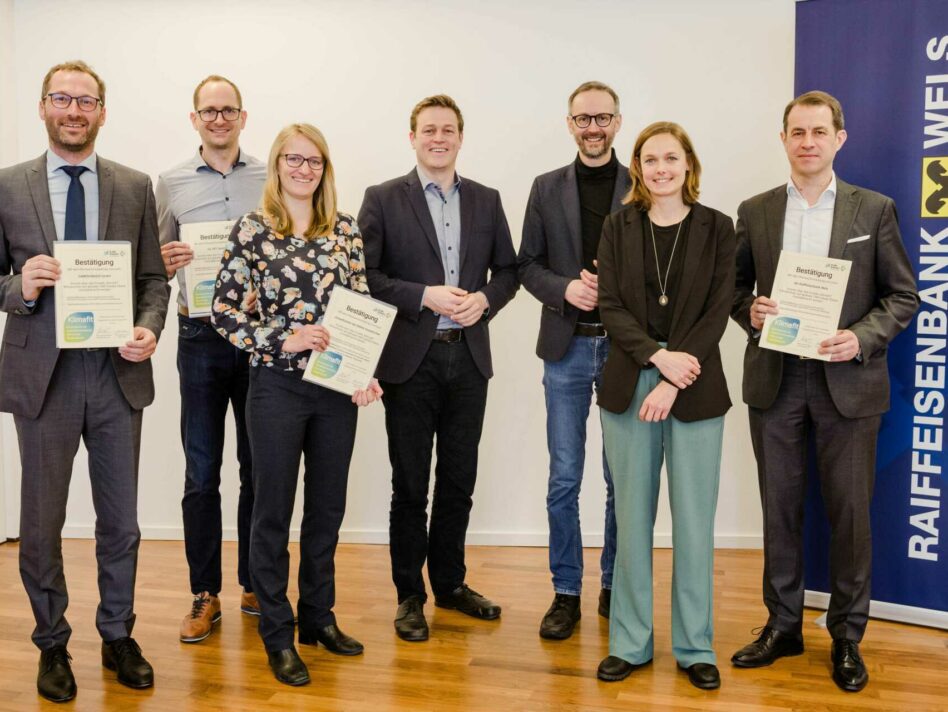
(219, 182)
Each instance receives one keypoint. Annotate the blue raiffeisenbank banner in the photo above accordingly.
(887, 63)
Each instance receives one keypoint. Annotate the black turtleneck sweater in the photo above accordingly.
(596, 186)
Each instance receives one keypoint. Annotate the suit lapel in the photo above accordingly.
(106, 184)
(466, 197)
(844, 213)
(634, 264)
(623, 184)
(693, 244)
(569, 198)
(39, 191)
(775, 214)
(416, 197)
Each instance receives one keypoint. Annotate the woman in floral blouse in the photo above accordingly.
(291, 253)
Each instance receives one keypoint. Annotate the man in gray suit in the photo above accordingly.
(557, 265)
(840, 401)
(57, 396)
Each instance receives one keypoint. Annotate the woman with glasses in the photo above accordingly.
(292, 252)
(666, 278)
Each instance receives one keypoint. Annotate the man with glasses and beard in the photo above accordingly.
(220, 182)
(57, 397)
(557, 264)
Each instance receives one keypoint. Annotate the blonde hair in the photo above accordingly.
(217, 78)
(76, 65)
(324, 198)
(442, 100)
(638, 194)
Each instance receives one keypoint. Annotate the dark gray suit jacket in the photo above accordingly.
(551, 252)
(881, 296)
(402, 257)
(126, 212)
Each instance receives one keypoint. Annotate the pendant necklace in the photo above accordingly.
(662, 284)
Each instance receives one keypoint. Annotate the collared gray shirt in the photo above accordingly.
(59, 188)
(194, 192)
(445, 209)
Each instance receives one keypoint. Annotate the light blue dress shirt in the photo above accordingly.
(445, 209)
(59, 187)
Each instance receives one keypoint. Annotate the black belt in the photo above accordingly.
(584, 329)
(183, 311)
(449, 336)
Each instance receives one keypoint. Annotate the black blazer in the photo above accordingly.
(551, 252)
(402, 257)
(701, 304)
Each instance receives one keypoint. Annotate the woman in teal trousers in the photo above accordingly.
(666, 279)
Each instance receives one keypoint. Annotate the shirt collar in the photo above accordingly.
(54, 162)
(199, 164)
(828, 192)
(426, 181)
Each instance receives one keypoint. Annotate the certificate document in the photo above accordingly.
(809, 292)
(207, 239)
(94, 294)
(358, 326)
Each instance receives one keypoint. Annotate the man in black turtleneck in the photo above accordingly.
(557, 265)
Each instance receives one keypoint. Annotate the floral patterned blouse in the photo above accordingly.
(293, 278)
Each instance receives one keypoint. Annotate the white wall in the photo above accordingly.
(723, 69)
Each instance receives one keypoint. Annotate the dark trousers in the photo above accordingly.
(846, 459)
(212, 374)
(85, 401)
(446, 398)
(288, 417)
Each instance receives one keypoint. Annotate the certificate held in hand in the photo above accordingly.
(207, 240)
(358, 327)
(809, 291)
(93, 296)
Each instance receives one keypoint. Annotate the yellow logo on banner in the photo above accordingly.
(935, 187)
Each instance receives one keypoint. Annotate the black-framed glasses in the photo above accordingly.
(295, 160)
(63, 101)
(584, 120)
(228, 112)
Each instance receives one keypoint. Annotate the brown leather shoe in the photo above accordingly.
(248, 604)
(205, 612)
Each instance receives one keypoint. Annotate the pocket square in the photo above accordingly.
(858, 239)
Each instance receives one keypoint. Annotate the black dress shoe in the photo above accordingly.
(410, 623)
(561, 617)
(125, 657)
(704, 676)
(54, 681)
(468, 601)
(771, 644)
(849, 671)
(287, 667)
(613, 669)
(605, 602)
(333, 639)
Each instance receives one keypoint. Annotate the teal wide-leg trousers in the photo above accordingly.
(635, 451)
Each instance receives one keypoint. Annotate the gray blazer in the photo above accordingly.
(881, 296)
(126, 212)
(551, 252)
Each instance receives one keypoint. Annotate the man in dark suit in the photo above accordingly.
(557, 264)
(840, 402)
(431, 239)
(56, 396)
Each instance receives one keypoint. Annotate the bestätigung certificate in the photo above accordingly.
(93, 296)
(358, 327)
(208, 240)
(809, 292)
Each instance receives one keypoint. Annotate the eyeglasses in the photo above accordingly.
(209, 115)
(64, 101)
(584, 120)
(295, 160)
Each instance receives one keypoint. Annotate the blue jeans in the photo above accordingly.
(568, 384)
(212, 374)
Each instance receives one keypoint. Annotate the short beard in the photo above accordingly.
(606, 147)
(54, 131)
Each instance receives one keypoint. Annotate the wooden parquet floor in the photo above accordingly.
(468, 664)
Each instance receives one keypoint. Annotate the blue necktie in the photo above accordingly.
(75, 204)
